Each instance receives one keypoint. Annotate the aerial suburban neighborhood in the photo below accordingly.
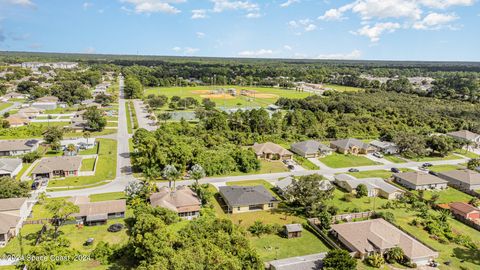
(194, 135)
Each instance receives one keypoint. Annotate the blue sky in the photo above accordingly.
(347, 29)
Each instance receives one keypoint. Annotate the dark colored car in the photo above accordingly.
(353, 170)
(291, 167)
(115, 227)
(35, 185)
(427, 165)
(395, 170)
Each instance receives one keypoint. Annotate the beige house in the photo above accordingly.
(271, 151)
(420, 181)
(12, 214)
(376, 187)
(247, 199)
(352, 146)
(97, 213)
(462, 179)
(183, 201)
(16, 121)
(63, 166)
(466, 136)
(311, 149)
(378, 236)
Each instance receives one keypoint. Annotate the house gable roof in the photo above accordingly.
(63, 163)
(241, 196)
(17, 145)
(349, 143)
(11, 204)
(310, 147)
(465, 176)
(420, 178)
(182, 200)
(463, 208)
(270, 148)
(9, 164)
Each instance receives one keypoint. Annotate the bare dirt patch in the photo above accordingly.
(201, 92)
(218, 96)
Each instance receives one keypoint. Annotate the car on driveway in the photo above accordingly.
(378, 155)
(395, 170)
(353, 170)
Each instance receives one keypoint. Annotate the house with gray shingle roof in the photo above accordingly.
(10, 166)
(420, 181)
(376, 187)
(63, 166)
(17, 147)
(352, 146)
(462, 179)
(311, 149)
(246, 199)
(466, 136)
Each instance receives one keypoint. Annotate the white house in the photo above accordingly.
(13, 212)
(388, 148)
(10, 166)
(420, 181)
(80, 143)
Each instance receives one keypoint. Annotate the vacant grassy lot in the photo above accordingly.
(445, 168)
(436, 158)
(336, 160)
(265, 167)
(88, 164)
(305, 163)
(263, 96)
(447, 196)
(355, 204)
(394, 159)
(106, 167)
(271, 247)
(375, 173)
(466, 153)
(107, 196)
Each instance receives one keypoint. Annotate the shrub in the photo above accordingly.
(31, 157)
(102, 252)
(375, 260)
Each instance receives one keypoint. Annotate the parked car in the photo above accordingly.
(89, 242)
(35, 185)
(423, 168)
(291, 167)
(427, 165)
(115, 227)
(395, 170)
(353, 170)
(378, 155)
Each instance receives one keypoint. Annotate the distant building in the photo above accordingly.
(10, 167)
(420, 181)
(64, 166)
(17, 147)
(30, 112)
(79, 143)
(46, 103)
(183, 201)
(388, 148)
(376, 187)
(15, 95)
(271, 151)
(283, 184)
(462, 179)
(15, 121)
(13, 212)
(247, 199)
(378, 236)
(352, 146)
(466, 136)
(311, 149)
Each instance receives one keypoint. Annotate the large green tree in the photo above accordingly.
(95, 119)
(11, 188)
(339, 259)
(133, 87)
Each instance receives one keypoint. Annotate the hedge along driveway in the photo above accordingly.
(106, 167)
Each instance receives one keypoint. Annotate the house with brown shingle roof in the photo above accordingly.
(352, 146)
(465, 210)
(97, 213)
(420, 181)
(379, 236)
(462, 179)
(183, 201)
(63, 166)
(271, 151)
(12, 214)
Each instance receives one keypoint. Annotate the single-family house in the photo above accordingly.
(376, 187)
(271, 151)
(16, 121)
(12, 214)
(462, 179)
(352, 146)
(64, 65)
(30, 112)
(307, 262)
(17, 147)
(420, 181)
(466, 135)
(97, 213)
(311, 149)
(79, 143)
(10, 167)
(378, 236)
(465, 210)
(63, 166)
(293, 230)
(46, 103)
(388, 148)
(183, 201)
(283, 184)
(15, 95)
(246, 199)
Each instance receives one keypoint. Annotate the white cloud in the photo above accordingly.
(258, 53)
(200, 34)
(223, 5)
(287, 47)
(374, 32)
(87, 5)
(186, 50)
(289, 3)
(369, 9)
(199, 14)
(355, 54)
(332, 15)
(306, 24)
(154, 6)
(442, 4)
(253, 15)
(434, 21)
(25, 3)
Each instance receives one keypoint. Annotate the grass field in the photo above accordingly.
(394, 159)
(129, 119)
(25, 167)
(358, 204)
(305, 163)
(263, 96)
(265, 167)
(445, 168)
(4, 106)
(107, 196)
(88, 164)
(376, 173)
(91, 151)
(336, 160)
(106, 167)
(447, 196)
(436, 158)
(466, 153)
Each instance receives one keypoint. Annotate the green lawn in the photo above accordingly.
(25, 167)
(375, 173)
(5, 105)
(358, 204)
(305, 163)
(456, 254)
(466, 153)
(336, 160)
(265, 167)
(271, 95)
(107, 196)
(447, 196)
(91, 151)
(445, 168)
(129, 119)
(88, 164)
(106, 170)
(394, 159)
(272, 247)
(436, 158)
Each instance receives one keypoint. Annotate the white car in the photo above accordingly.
(378, 155)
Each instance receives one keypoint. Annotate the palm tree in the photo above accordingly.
(171, 174)
(395, 254)
(71, 148)
(197, 172)
(87, 135)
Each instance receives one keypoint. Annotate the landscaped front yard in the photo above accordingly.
(466, 153)
(336, 160)
(354, 204)
(88, 164)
